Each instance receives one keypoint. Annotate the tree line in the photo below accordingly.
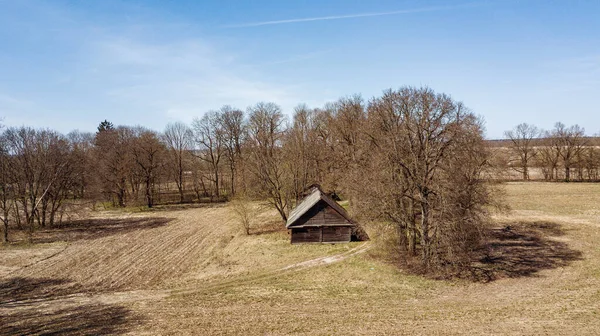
(562, 153)
(411, 157)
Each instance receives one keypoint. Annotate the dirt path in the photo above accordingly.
(329, 259)
(151, 295)
(300, 266)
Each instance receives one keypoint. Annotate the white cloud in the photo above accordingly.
(181, 79)
(146, 72)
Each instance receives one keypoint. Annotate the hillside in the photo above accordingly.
(192, 271)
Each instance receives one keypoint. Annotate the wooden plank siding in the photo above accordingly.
(306, 235)
(326, 234)
(336, 234)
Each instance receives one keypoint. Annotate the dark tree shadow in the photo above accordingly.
(89, 319)
(22, 291)
(87, 229)
(29, 306)
(522, 249)
(185, 206)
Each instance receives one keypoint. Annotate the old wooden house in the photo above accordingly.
(320, 219)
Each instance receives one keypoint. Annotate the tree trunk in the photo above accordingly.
(17, 215)
(5, 233)
(180, 184)
(282, 213)
(181, 198)
(412, 247)
(121, 196)
(232, 180)
(425, 241)
(217, 183)
(149, 199)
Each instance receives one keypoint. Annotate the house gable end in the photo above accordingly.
(321, 214)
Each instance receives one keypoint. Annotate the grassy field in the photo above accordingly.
(192, 271)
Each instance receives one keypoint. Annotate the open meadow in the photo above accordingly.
(191, 270)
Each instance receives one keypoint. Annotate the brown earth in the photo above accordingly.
(192, 271)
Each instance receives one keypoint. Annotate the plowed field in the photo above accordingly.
(193, 271)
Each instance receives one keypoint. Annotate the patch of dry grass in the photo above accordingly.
(547, 294)
(142, 251)
(198, 274)
(555, 198)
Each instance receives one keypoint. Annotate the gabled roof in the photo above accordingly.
(311, 200)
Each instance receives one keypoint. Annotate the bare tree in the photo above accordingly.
(549, 155)
(591, 160)
(426, 157)
(6, 186)
(210, 140)
(302, 150)
(148, 153)
(42, 172)
(569, 142)
(114, 160)
(179, 140)
(265, 136)
(522, 146)
(350, 117)
(82, 145)
(233, 128)
(62, 168)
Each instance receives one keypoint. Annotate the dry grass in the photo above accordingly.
(192, 271)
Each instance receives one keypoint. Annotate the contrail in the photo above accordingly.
(351, 16)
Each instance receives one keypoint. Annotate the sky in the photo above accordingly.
(69, 65)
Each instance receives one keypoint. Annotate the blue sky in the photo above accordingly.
(71, 64)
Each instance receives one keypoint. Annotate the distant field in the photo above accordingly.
(192, 271)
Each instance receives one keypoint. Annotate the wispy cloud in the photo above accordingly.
(130, 73)
(353, 16)
(179, 79)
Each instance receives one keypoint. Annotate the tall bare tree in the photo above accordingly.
(522, 146)
(61, 183)
(179, 140)
(82, 144)
(114, 159)
(569, 142)
(548, 157)
(209, 137)
(6, 186)
(302, 150)
(42, 172)
(591, 159)
(426, 159)
(266, 131)
(233, 128)
(148, 153)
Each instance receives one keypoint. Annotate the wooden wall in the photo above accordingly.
(306, 235)
(321, 224)
(326, 234)
(333, 234)
(321, 214)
